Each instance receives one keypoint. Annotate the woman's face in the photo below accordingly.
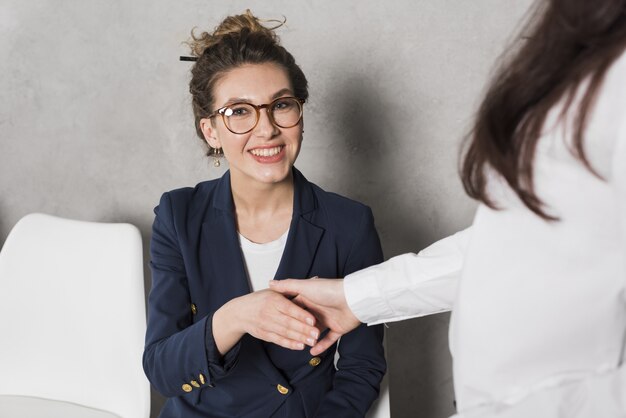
(266, 153)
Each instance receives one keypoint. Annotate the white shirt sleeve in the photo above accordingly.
(409, 285)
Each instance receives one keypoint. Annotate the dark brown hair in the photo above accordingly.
(564, 43)
(238, 40)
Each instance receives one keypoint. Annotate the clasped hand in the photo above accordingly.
(324, 298)
(266, 315)
(292, 314)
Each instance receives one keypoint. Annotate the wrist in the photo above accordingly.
(227, 326)
(230, 316)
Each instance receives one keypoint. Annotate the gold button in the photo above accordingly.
(283, 390)
(187, 388)
(195, 384)
(315, 361)
(194, 308)
(201, 378)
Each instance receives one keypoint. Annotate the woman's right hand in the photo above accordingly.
(266, 315)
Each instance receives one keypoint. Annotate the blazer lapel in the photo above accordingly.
(222, 252)
(304, 236)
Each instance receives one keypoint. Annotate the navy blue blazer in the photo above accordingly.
(197, 266)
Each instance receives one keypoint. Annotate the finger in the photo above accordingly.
(309, 306)
(291, 319)
(292, 330)
(287, 287)
(301, 301)
(272, 330)
(325, 343)
(291, 309)
(283, 341)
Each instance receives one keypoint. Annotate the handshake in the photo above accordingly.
(313, 303)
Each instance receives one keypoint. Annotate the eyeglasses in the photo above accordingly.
(241, 118)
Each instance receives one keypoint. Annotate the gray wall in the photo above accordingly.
(95, 122)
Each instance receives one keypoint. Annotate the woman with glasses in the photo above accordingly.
(219, 343)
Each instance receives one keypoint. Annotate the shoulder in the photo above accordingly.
(349, 227)
(337, 203)
(189, 196)
(340, 213)
(612, 88)
(606, 128)
(186, 196)
(613, 83)
(619, 65)
(310, 196)
(186, 205)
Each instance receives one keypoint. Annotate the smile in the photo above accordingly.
(266, 152)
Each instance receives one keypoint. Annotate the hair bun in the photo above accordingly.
(232, 25)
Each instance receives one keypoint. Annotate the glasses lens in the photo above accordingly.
(240, 117)
(286, 112)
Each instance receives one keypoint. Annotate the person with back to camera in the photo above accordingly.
(218, 342)
(537, 286)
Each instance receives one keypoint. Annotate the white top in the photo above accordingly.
(539, 308)
(262, 260)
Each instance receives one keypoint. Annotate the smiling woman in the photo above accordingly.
(219, 343)
(260, 145)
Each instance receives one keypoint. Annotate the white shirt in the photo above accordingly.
(262, 260)
(539, 308)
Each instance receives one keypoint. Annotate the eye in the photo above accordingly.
(284, 104)
(238, 110)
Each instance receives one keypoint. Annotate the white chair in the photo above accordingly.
(72, 320)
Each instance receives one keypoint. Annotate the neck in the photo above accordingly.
(254, 198)
(262, 211)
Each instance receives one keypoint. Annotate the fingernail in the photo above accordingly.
(300, 346)
(310, 321)
(310, 341)
(314, 334)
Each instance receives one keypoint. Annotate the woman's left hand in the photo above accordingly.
(266, 315)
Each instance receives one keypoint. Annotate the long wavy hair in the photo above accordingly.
(564, 43)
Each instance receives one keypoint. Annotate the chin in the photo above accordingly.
(274, 176)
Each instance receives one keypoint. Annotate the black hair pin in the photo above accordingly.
(188, 58)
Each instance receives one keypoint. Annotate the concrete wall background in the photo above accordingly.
(95, 122)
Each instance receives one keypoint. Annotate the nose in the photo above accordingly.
(265, 127)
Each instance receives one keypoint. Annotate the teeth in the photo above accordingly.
(266, 152)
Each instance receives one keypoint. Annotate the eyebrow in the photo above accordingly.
(276, 95)
(282, 93)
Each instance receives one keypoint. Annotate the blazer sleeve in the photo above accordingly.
(178, 350)
(361, 365)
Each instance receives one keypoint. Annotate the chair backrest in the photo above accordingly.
(72, 314)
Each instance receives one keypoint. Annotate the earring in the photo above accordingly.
(217, 153)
